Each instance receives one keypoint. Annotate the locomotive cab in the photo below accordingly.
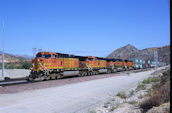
(41, 61)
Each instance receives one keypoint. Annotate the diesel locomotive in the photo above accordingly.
(51, 65)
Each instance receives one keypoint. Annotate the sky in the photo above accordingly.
(83, 27)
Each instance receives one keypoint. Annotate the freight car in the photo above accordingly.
(51, 65)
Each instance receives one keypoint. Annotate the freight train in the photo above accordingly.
(51, 65)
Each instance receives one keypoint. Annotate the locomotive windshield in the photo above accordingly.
(46, 56)
(90, 59)
(38, 55)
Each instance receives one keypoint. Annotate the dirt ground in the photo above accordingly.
(68, 98)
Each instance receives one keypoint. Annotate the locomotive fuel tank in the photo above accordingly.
(102, 70)
(70, 73)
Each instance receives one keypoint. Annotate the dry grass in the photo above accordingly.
(141, 86)
(133, 102)
(159, 94)
(151, 79)
(122, 94)
(92, 111)
(131, 93)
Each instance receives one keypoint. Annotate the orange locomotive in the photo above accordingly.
(51, 65)
(119, 65)
(129, 64)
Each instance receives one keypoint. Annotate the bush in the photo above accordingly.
(113, 99)
(141, 86)
(156, 97)
(140, 96)
(122, 94)
(93, 111)
(151, 79)
(26, 65)
(106, 104)
(155, 79)
(17, 65)
(166, 72)
(159, 94)
(131, 93)
(133, 102)
(147, 81)
(113, 107)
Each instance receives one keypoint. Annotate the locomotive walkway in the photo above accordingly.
(70, 98)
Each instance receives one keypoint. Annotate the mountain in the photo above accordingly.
(12, 58)
(130, 51)
(25, 56)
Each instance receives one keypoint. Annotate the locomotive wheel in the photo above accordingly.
(53, 78)
(47, 78)
(83, 74)
(30, 79)
(91, 73)
(86, 73)
(109, 71)
(58, 76)
(96, 73)
(42, 78)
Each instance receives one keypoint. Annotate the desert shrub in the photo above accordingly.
(122, 94)
(26, 65)
(106, 105)
(155, 79)
(151, 79)
(166, 72)
(165, 77)
(92, 111)
(159, 95)
(12, 65)
(132, 102)
(147, 81)
(140, 96)
(131, 93)
(113, 107)
(141, 86)
(17, 65)
(113, 99)
(149, 103)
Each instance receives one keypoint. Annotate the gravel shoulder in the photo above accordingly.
(70, 98)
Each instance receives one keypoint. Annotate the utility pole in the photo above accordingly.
(34, 51)
(2, 50)
(39, 50)
(156, 58)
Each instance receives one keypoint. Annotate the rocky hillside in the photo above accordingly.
(11, 58)
(130, 51)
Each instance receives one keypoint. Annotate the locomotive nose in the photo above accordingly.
(36, 64)
(39, 59)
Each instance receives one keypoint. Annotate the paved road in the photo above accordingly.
(70, 98)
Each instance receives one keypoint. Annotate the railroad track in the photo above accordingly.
(13, 82)
(23, 80)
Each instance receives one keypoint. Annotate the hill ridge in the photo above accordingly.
(130, 51)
